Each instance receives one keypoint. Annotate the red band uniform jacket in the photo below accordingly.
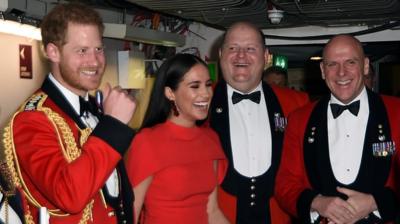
(243, 199)
(60, 164)
(305, 169)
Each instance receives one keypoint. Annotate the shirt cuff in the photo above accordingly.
(377, 214)
(314, 216)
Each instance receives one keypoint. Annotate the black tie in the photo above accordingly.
(338, 109)
(85, 107)
(237, 97)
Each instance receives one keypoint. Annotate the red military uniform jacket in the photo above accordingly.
(305, 169)
(235, 192)
(58, 163)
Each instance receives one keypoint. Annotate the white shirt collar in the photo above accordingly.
(250, 134)
(231, 90)
(362, 97)
(71, 97)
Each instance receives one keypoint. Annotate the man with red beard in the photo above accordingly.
(249, 117)
(63, 150)
(338, 153)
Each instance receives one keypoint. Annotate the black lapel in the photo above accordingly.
(58, 98)
(126, 193)
(316, 153)
(274, 110)
(219, 121)
(378, 125)
(123, 204)
(219, 116)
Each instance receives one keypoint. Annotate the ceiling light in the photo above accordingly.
(316, 58)
(280, 61)
(275, 15)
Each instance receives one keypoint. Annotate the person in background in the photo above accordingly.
(250, 117)
(10, 199)
(275, 75)
(65, 152)
(370, 78)
(339, 152)
(175, 165)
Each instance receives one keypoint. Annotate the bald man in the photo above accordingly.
(338, 153)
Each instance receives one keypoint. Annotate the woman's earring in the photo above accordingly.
(174, 108)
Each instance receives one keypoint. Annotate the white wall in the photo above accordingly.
(111, 72)
(13, 89)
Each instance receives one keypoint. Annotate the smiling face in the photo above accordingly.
(343, 67)
(78, 64)
(242, 57)
(192, 97)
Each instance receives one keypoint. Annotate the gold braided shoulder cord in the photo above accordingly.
(71, 152)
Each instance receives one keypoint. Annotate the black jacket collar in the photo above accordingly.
(373, 170)
(219, 121)
(59, 99)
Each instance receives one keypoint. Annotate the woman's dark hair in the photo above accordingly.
(170, 74)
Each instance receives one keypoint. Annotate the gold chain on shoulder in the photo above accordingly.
(87, 213)
(71, 152)
(29, 218)
(85, 133)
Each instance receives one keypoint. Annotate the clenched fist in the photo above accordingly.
(118, 103)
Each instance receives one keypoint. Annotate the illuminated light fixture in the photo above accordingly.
(316, 58)
(213, 70)
(274, 15)
(143, 35)
(280, 61)
(19, 29)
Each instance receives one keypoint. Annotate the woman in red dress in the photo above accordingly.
(174, 164)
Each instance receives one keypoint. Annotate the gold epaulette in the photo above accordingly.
(67, 142)
(34, 101)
